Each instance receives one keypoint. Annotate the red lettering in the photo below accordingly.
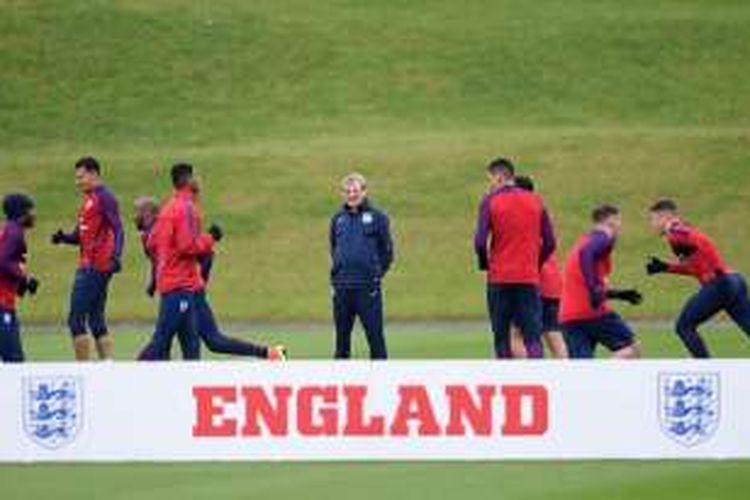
(356, 422)
(462, 406)
(414, 405)
(515, 395)
(210, 403)
(259, 406)
(329, 416)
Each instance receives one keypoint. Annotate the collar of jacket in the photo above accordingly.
(364, 207)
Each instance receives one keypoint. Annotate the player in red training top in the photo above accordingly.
(585, 314)
(15, 281)
(514, 237)
(99, 236)
(722, 289)
(146, 214)
(551, 289)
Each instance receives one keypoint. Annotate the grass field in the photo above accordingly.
(419, 341)
(274, 100)
(572, 481)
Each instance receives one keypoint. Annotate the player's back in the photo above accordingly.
(516, 231)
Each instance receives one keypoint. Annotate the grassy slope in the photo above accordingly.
(274, 100)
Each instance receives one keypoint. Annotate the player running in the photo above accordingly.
(550, 288)
(515, 224)
(177, 241)
(15, 281)
(146, 213)
(100, 238)
(585, 314)
(722, 289)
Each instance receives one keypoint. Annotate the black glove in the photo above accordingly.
(30, 285)
(632, 296)
(656, 266)
(58, 237)
(483, 264)
(151, 289)
(216, 232)
(115, 266)
(684, 251)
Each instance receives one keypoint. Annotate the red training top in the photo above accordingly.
(12, 263)
(698, 256)
(99, 231)
(178, 243)
(520, 233)
(587, 270)
(551, 279)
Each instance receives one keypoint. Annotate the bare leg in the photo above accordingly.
(104, 347)
(633, 351)
(556, 344)
(517, 345)
(82, 347)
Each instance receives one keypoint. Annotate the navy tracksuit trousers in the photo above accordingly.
(726, 293)
(365, 303)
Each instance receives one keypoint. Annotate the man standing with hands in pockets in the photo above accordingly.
(361, 253)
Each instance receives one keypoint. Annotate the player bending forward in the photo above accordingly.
(722, 289)
(585, 314)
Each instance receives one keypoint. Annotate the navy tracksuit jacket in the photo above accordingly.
(361, 254)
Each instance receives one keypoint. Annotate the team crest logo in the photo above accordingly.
(52, 410)
(367, 218)
(689, 406)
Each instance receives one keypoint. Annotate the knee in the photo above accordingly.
(633, 351)
(684, 326)
(215, 343)
(98, 327)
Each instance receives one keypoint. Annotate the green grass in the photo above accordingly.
(274, 100)
(573, 481)
(421, 341)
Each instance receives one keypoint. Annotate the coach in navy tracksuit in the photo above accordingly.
(361, 253)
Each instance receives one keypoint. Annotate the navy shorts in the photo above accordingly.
(610, 330)
(550, 314)
(518, 305)
(10, 337)
(88, 302)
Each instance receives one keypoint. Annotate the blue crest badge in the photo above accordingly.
(52, 410)
(689, 406)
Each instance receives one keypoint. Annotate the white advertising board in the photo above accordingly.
(436, 410)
